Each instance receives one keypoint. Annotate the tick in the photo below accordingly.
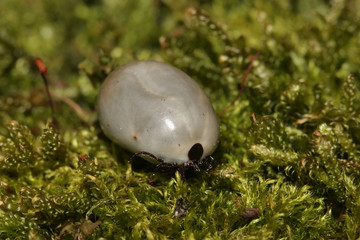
(159, 113)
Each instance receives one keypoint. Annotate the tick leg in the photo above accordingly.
(147, 156)
(210, 161)
(163, 167)
(192, 164)
(195, 166)
(182, 170)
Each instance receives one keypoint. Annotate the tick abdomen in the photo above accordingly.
(155, 107)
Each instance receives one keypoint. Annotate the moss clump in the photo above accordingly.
(287, 165)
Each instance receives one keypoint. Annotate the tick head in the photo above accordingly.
(195, 153)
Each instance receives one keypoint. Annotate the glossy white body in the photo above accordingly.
(154, 107)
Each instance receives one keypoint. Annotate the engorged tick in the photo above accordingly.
(174, 121)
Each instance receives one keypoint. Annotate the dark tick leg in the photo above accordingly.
(182, 171)
(210, 160)
(147, 156)
(192, 164)
(166, 167)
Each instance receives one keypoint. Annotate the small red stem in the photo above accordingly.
(43, 71)
(238, 204)
(340, 216)
(242, 85)
(328, 209)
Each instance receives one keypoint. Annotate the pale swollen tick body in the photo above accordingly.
(159, 113)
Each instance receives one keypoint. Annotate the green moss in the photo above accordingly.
(287, 165)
